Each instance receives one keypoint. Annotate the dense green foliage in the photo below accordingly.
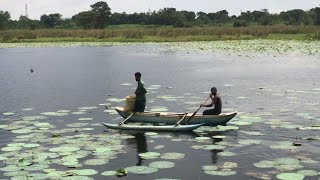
(100, 16)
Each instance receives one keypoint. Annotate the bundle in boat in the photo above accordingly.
(130, 101)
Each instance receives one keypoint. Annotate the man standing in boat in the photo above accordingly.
(140, 103)
(216, 102)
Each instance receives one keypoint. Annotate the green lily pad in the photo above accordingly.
(84, 172)
(209, 167)
(109, 173)
(31, 145)
(265, 164)
(162, 164)
(290, 176)
(221, 173)
(308, 172)
(11, 168)
(8, 113)
(36, 167)
(227, 154)
(13, 148)
(149, 155)
(226, 128)
(64, 149)
(141, 169)
(85, 119)
(16, 173)
(172, 156)
(159, 109)
(76, 178)
(249, 141)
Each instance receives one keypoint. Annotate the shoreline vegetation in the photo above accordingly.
(161, 34)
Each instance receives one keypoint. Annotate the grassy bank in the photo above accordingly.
(162, 34)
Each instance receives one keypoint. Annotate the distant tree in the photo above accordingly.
(297, 16)
(51, 20)
(189, 15)
(4, 19)
(202, 18)
(223, 16)
(103, 13)
(86, 19)
(315, 15)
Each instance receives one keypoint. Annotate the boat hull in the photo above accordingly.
(153, 128)
(172, 118)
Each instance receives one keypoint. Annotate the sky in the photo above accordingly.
(68, 8)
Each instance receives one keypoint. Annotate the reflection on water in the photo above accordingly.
(140, 143)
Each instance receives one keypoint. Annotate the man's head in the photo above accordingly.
(214, 91)
(137, 76)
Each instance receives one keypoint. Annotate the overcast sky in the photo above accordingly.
(70, 7)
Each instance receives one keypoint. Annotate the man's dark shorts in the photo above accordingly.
(211, 112)
(139, 106)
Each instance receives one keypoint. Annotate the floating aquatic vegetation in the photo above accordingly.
(79, 112)
(126, 84)
(149, 155)
(141, 169)
(202, 139)
(54, 114)
(27, 109)
(87, 108)
(172, 155)
(308, 172)
(285, 145)
(226, 153)
(290, 176)
(209, 167)
(219, 137)
(8, 113)
(154, 87)
(162, 164)
(77, 124)
(227, 128)
(110, 111)
(240, 123)
(31, 118)
(109, 173)
(249, 141)
(253, 133)
(85, 119)
(281, 164)
(83, 172)
(64, 149)
(159, 147)
(151, 133)
(259, 175)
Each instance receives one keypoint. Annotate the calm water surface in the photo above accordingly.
(282, 92)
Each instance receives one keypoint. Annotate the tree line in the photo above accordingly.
(100, 17)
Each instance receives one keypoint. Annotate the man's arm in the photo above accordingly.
(214, 100)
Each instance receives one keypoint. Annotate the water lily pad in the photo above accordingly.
(249, 141)
(64, 149)
(12, 148)
(290, 176)
(109, 173)
(240, 123)
(11, 168)
(209, 167)
(162, 164)
(226, 128)
(78, 113)
(141, 169)
(76, 178)
(151, 133)
(54, 114)
(87, 108)
(16, 173)
(221, 173)
(219, 137)
(308, 172)
(8, 113)
(159, 147)
(84, 172)
(172, 156)
(32, 118)
(149, 155)
(265, 164)
(227, 154)
(116, 100)
(159, 109)
(36, 167)
(27, 109)
(85, 119)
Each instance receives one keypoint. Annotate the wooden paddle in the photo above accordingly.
(196, 112)
(178, 123)
(121, 123)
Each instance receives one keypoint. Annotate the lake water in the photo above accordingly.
(277, 98)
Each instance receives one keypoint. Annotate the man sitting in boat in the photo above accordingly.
(216, 102)
(140, 103)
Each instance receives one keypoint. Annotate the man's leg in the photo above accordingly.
(139, 106)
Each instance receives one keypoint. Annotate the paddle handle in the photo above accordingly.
(126, 119)
(196, 111)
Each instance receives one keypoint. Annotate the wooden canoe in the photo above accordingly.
(172, 118)
(153, 128)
